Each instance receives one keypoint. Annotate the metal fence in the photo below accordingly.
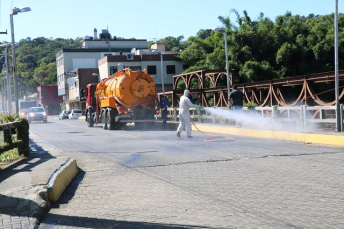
(324, 117)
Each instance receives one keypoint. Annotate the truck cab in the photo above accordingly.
(91, 104)
(24, 107)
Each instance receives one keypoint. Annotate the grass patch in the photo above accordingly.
(8, 157)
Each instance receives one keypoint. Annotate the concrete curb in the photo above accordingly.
(335, 140)
(61, 178)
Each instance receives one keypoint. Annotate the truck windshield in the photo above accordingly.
(37, 109)
(27, 104)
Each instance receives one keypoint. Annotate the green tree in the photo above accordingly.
(45, 73)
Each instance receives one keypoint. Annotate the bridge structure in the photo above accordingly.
(311, 89)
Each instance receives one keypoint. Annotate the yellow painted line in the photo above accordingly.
(336, 140)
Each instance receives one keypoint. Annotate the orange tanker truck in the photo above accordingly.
(125, 97)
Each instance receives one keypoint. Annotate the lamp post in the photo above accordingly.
(162, 70)
(15, 11)
(221, 29)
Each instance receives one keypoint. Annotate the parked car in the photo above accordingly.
(36, 114)
(75, 114)
(64, 114)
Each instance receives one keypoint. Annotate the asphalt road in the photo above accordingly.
(151, 179)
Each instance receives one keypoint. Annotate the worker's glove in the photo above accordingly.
(162, 109)
(200, 107)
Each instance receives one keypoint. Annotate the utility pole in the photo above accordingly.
(3, 88)
(9, 94)
(339, 121)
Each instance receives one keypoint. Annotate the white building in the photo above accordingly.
(107, 52)
(93, 49)
(145, 59)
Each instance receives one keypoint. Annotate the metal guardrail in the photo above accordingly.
(304, 115)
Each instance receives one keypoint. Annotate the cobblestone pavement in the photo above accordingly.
(297, 191)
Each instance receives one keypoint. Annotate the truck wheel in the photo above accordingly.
(90, 122)
(104, 121)
(111, 123)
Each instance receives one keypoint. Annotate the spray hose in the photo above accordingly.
(211, 139)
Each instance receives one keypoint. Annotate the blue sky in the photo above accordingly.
(141, 19)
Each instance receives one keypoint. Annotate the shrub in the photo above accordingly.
(250, 105)
(6, 118)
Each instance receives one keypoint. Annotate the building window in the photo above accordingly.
(43, 94)
(113, 70)
(134, 68)
(151, 69)
(170, 69)
(55, 94)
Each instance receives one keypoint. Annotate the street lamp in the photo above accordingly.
(221, 29)
(162, 70)
(15, 11)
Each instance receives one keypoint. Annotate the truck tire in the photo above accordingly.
(111, 123)
(90, 122)
(104, 120)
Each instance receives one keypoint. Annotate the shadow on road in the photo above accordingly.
(89, 222)
(92, 222)
(37, 157)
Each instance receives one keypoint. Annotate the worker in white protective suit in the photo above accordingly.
(184, 114)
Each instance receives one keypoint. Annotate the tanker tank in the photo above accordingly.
(126, 96)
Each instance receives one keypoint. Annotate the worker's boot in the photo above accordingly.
(178, 134)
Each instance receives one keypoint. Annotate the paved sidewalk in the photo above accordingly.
(23, 192)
